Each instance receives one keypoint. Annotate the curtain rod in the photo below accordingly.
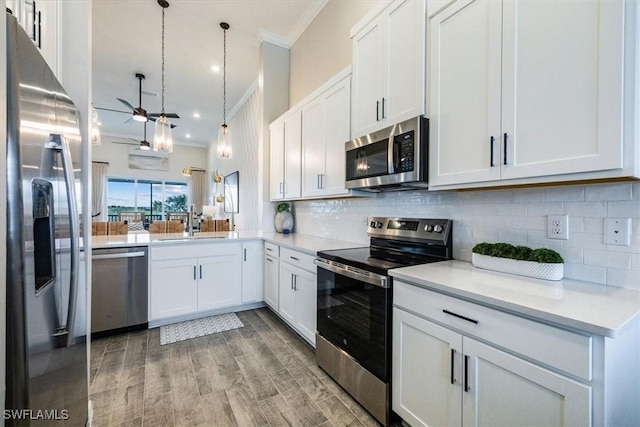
(104, 163)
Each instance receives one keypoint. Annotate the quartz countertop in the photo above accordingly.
(590, 307)
(301, 242)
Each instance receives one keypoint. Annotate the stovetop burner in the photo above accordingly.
(398, 242)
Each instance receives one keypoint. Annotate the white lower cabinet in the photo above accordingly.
(271, 275)
(297, 292)
(189, 279)
(441, 377)
(252, 272)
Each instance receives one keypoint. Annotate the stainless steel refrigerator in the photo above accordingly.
(46, 293)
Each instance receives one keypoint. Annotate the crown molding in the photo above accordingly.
(252, 88)
(273, 38)
(306, 20)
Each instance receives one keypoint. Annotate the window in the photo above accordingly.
(154, 198)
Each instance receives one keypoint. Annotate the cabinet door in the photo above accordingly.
(313, 146)
(271, 282)
(305, 287)
(563, 90)
(173, 288)
(337, 127)
(287, 296)
(367, 69)
(404, 83)
(505, 390)
(292, 155)
(219, 282)
(426, 372)
(276, 155)
(48, 34)
(464, 76)
(252, 277)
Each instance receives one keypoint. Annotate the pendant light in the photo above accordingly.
(144, 144)
(162, 140)
(224, 136)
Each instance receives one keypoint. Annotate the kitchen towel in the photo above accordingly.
(198, 328)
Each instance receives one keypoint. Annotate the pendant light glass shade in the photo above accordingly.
(224, 142)
(162, 139)
(95, 128)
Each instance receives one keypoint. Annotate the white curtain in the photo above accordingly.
(98, 178)
(198, 188)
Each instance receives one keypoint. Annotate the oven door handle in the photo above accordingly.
(354, 273)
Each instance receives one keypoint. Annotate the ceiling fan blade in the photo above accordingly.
(126, 103)
(169, 115)
(125, 142)
(128, 120)
(112, 110)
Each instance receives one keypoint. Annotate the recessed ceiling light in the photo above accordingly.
(188, 135)
(196, 115)
(215, 68)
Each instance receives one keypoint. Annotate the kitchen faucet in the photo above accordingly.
(192, 208)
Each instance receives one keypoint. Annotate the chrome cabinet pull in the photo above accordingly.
(459, 316)
(383, 108)
(377, 111)
(245, 254)
(194, 273)
(201, 271)
(294, 258)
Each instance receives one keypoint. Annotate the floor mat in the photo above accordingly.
(198, 328)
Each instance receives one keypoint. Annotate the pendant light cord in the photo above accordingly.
(224, 78)
(162, 110)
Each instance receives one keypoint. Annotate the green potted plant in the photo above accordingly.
(540, 263)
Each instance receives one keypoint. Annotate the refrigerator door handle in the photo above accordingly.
(59, 142)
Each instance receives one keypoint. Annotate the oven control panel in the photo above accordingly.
(410, 228)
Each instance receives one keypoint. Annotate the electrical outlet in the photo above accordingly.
(558, 227)
(617, 231)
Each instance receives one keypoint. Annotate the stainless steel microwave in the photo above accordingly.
(391, 159)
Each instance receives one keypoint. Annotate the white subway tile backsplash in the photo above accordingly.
(629, 208)
(585, 208)
(564, 194)
(517, 216)
(534, 209)
(623, 278)
(607, 259)
(608, 192)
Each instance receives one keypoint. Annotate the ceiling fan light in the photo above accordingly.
(162, 139)
(139, 117)
(145, 145)
(224, 142)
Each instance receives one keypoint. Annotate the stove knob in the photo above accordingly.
(428, 228)
(378, 224)
(438, 228)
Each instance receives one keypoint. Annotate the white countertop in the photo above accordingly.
(599, 309)
(301, 242)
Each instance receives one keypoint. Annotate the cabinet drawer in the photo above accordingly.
(271, 249)
(300, 259)
(193, 250)
(567, 351)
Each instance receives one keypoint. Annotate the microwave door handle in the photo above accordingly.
(61, 143)
(391, 156)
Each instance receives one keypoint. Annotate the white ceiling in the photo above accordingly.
(126, 40)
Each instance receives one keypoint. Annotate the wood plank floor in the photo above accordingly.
(260, 375)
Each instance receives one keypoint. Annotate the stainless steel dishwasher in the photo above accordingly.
(119, 290)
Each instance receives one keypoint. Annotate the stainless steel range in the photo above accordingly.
(355, 297)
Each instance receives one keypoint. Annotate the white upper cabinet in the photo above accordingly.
(285, 146)
(525, 89)
(388, 66)
(325, 129)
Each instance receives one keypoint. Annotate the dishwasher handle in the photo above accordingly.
(120, 255)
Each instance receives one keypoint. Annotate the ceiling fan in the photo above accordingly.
(142, 145)
(139, 114)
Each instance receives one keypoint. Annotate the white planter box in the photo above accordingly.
(539, 270)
